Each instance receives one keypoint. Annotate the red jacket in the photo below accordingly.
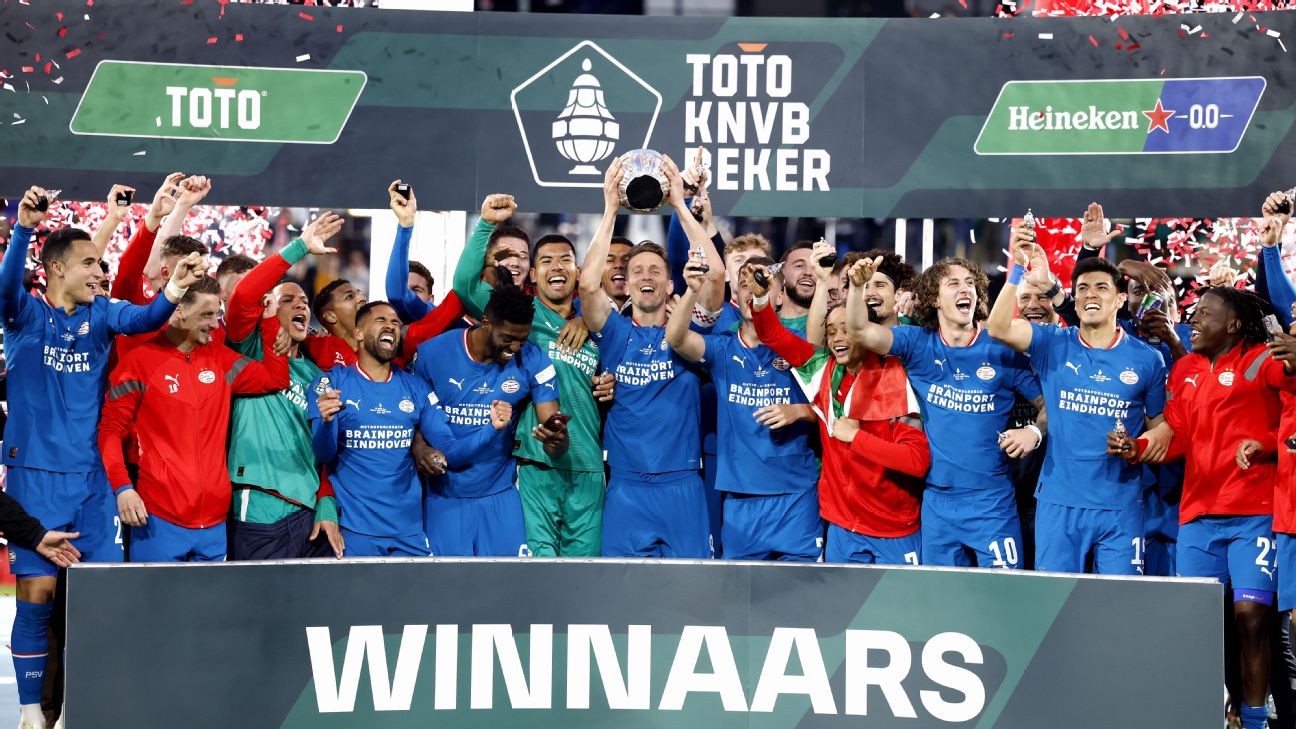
(178, 405)
(1212, 409)
(872, 485)
(329, 351)
(129, 283)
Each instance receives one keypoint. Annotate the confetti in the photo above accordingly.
(238, 38)
(140, 153)
(73, 53)
(305, 16)
(303, 57)
(1094, 41)
(1046, 36)
(211, 40)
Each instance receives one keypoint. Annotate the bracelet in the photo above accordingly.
(175, 293)
(1039, 437)
(1055, 289)
(1016, 274)
(761, 300)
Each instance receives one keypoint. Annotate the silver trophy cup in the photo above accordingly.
(643, 181)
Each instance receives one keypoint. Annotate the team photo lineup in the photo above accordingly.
(814, 408)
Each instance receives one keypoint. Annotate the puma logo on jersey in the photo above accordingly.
(457, 383)
(1192, 379)
(742, 361)
(1074, 367)
(353, 403)
(1267, 571)
(174, 385)
(940, 363)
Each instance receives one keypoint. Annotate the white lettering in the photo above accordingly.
(684, 678)
(630, 693)
(489, 641)
(365, 644)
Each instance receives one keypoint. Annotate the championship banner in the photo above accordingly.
(955, 117)
(525, 644)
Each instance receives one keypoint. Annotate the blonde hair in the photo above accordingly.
(750, 242)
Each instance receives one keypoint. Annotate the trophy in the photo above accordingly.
(1150, 302)
(643, 181)
(1285, 207)
(43, 202)
(764, 280)
(1029, 220)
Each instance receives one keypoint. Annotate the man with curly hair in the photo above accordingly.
(967, 383)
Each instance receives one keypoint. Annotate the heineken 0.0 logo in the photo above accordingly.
(1154, 116)
(226, 103)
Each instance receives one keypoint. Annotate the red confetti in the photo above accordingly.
(37, 59)
(47, 66)
(963, 3)
(339, 29)
(1008, 35)
(75, 51)
(90, 3)
(1094, 41)
(59, 15)
(305, 16)
(1123, 33)
(238, 37)
(27, 69)
(62, 32)
(211, 40)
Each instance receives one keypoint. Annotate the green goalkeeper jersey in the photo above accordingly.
(575, 395)
(270, 446)
(575, 371)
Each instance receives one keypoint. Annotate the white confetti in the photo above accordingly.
(1195, 30)
(140, 153)
(20, 121)
(1238, 17)
(303, 57)
(1046, 36)
(45, 100)
(1272, 33)
(58, 80)
(157, 121)
(9, 87)
(1282, 45)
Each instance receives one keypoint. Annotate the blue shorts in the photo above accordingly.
(486, 526)
(715, 501)
(656, 515)
(1067, 536)
(364, 545)
(782, 527)
(161, 541)
(847, 546)
(977, 529)
(66, 502)
(1236, 550)
(1286, 574)
(1159, 556)
(288, 538)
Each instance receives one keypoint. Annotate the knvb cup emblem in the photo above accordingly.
(579, 111)
(585, 131)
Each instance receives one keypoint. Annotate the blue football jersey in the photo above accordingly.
(366, 447)
(752, 458)
(1086, 390)
(967, 396)
(56, 366)
(466, 388)
(653, 424)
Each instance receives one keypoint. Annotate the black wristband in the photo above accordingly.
(1054, 290)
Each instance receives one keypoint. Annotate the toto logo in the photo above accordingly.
(578, 112)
